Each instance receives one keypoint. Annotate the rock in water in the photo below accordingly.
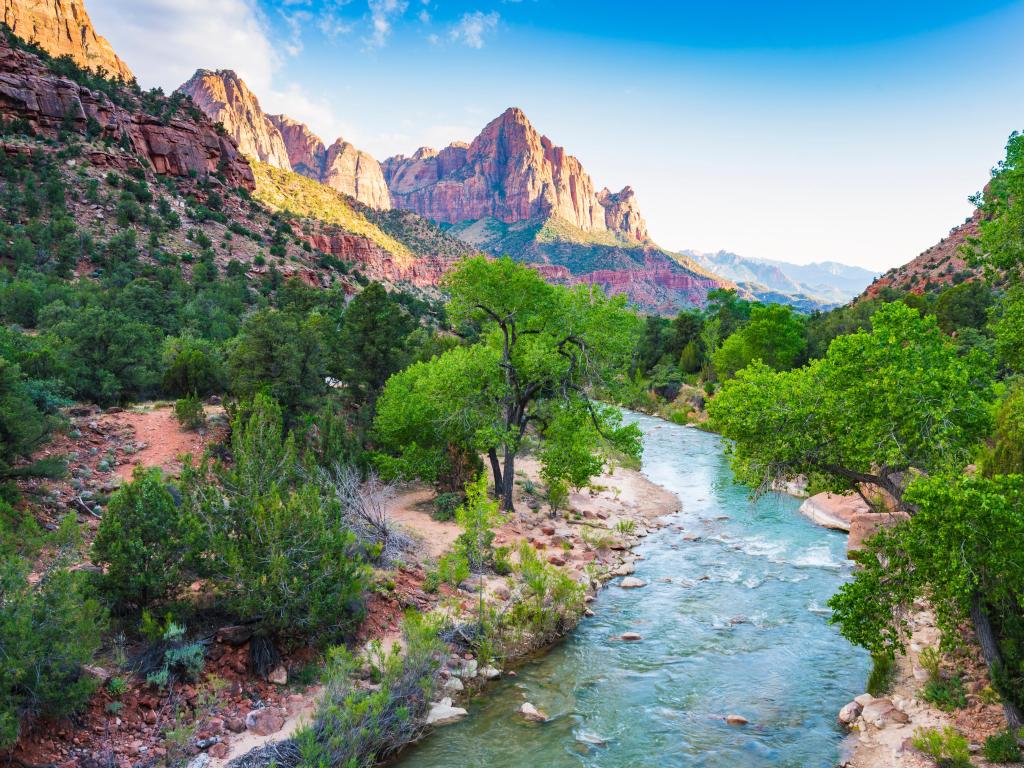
(531, 713)
(631, 636)
(443, 713)
(631, 582)
(736, 720)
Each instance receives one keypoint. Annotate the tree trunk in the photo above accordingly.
(990, 650)
(499, 491)
(509, 483)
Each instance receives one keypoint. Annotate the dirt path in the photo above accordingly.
(160, 439)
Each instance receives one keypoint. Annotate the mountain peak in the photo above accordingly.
(63, 27)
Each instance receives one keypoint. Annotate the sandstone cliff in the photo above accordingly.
(355, 173)
(62, 27)
(306, 151)
(178, 145)
(510, 173)
(226, 99)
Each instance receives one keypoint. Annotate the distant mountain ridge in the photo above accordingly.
(806, 286)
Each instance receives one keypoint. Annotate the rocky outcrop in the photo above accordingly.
(355, 173)
(510, 173)
(306, 151)
(29, 91)
(226, 99)
(424, 271)
(865, 524)
(622, 214)
(63, 28)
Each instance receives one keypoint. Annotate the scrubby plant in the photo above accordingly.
(189, 412)
(445, 505)
(1002, 748)
(146, 541)
(47, 631)
(883, 670)
(948, 748)
(946, 693)
(173, 657)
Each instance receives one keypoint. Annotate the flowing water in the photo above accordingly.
(733, 623)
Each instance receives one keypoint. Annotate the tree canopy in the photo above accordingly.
(880, 403)
(540, 349)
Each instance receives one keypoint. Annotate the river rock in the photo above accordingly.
(454, 685)
(736, 720)
(849, 713)
(631, 637)
(443, 713)
(833, 510)
(490, 673)
(625, 569)
(631, 582)
(531, 713)
(881, 712)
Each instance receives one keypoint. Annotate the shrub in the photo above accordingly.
(145, 540)
(47, 631)
(883, 669)
(191, 366)
(1002, 748)
(173, 658)
(946, 693)
(189, 412)
(445, 505)
(477, 516)
(358, 727)
(947, 747)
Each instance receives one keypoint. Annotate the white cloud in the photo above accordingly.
(473, 27)
(293, 23)
(382, 15)
(166, 41)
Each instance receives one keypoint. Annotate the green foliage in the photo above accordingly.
(281, 552)
(1002, 748)
(191, 366)
(883, 670)
(47, 631)
(774, 335)
(189, 412)
(947, 747)
(23, 427)
(1006, 454)
(1008, 329)
(540, 348)
(145, 540)
(445, 505)
(963, 306)
(1001, 242)
(478, 516)
(175, 658)
(358, 727)
(960, 546)
(280, 353)
(922, 407)
(946, 693)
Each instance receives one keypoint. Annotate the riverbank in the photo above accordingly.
(590, 540)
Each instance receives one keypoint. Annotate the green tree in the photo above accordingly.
(961, 551)
(774, 335)
(1000, 245)
(879, 405)
(371, 343)
(541, 348)
(282, 353)
(191, 366)
(146, 541)
(1008, 329)
(23, 427)
(963, 306)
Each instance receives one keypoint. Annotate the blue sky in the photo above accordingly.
(789, 130)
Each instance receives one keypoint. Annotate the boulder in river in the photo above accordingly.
(531, 713)
(443, 713)
(631, 637)
(631, 582)
(834, 510)
(736, 720)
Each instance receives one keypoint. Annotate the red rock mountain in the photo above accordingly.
(62, 27)
(178, 146)
(282, 142)
(510, 173)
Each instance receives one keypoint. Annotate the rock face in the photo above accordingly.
(355, 173)
(62, 27)
(510, 173)
(226, 99)
(283, 142)
(183, 146)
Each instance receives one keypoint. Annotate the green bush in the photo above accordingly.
(145, 540)
(1002, 748)
(47, 631)
(947, 747)
(883, 669)
(357, 727)
(445, 505)
(946, 693)
(191, 366)
(189, 412)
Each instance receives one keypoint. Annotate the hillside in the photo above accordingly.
(941, 265)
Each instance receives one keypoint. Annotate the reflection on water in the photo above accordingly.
(733, 623)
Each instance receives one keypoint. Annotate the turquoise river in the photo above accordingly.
(733, 623)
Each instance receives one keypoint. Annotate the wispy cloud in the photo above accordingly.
(382, 16)
(473, 28)
(293, 24)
